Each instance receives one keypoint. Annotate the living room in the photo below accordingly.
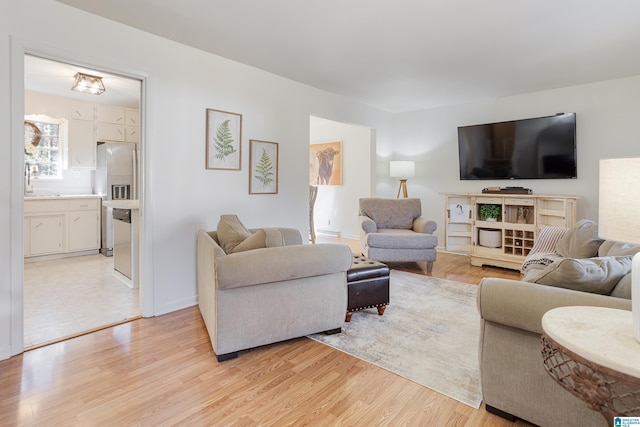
(182, 196)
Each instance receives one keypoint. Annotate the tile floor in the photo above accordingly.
(68, 296)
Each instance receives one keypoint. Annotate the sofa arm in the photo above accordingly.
(424, 225)
(367, 224)
(279, 236)
(522, 304)
(278, 264)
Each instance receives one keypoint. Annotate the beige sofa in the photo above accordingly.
(270, 294)
(514, 381)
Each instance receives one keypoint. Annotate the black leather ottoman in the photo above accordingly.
(367, 285)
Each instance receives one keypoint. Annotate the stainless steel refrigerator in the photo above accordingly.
(116, 177)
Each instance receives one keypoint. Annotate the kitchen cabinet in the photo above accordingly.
(110, 132)
(60, 225)
(82, 144)
(83, 223)
(110, 114)
(132, 117)
(506, 241)
(82, 111)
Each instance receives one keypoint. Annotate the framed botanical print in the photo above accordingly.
(263, 167)
(224, 140)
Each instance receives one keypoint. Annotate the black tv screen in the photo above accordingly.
(538, 148)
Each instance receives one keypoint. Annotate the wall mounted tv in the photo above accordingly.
(538, 148)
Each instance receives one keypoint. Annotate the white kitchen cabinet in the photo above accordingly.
(110, 114)
(83, 223)
(133, 134)
(82, 111)
(82, 145)
(61, 225)
(132, 117)
(46, 235)
(110, 132)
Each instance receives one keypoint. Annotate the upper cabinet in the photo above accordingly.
(110, 114)
(82, 144)
(82, 111)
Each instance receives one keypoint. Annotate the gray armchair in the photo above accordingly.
(394, 230)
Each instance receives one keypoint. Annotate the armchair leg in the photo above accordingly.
(228, 356)
(429, 266)
(333, 331)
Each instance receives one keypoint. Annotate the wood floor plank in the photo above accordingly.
(162, 371)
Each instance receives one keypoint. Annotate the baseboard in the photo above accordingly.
(328, 233)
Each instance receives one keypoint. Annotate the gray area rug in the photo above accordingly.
(428, 334)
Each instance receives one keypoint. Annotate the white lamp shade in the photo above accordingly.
(402, 168)
(619, 216)
(619, 209)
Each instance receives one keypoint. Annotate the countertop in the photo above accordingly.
(122, 204)
(60, 196)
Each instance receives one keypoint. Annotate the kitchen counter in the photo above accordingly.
(122, 204)
(60, 196)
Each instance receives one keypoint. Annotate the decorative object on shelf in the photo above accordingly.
(224, 140)
(490, 238)
(523, 215)
(489, 212)
(87, 83)
(402, 169)
(460, 213)
(325, 163)
(619, 210)
(263, 167)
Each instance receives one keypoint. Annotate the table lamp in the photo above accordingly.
(619, 216)
(402, 169)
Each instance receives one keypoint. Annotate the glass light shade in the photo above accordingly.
(402, 168)
(619, 216)
(88, 84)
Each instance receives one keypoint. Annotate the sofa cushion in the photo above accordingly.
(401, 239)
(596, 275)
(232, 233)
(623, 288)
(580, 241)
(611, 248)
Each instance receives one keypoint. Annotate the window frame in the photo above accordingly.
(63, 134)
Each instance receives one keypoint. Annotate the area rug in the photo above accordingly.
(428, 334)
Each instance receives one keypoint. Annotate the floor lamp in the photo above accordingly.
(619, 216)
(402, 169)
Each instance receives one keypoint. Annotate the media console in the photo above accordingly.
(508, 240)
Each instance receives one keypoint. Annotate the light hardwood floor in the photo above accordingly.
(161, 371)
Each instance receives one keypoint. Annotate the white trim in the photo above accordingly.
(19, 48)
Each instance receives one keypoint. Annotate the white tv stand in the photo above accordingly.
(522, 217)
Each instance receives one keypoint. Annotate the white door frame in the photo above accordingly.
(16, 257)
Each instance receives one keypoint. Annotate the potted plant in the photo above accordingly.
(490, 212)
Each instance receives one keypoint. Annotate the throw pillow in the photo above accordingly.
(595, 275)
(231, 232)
(254, 241)
(580, 241)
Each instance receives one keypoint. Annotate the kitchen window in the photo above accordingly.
(46, 159)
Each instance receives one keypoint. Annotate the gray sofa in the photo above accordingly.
(394, 230)
(278, 291)
(514, 381)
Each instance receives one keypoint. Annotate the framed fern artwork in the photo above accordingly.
(224, 140)
(263, 167)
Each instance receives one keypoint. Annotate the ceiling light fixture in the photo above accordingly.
(88, 84)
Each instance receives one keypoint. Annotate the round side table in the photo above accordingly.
(591, 352)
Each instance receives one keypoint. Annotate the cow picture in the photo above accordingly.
(325, 166)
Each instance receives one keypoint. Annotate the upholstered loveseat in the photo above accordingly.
(514, 381)
(394, 230)
(269, 291)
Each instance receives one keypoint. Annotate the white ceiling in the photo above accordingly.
(55, 78)
(403, 55)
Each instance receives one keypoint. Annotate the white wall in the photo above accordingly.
(607, 126)
(336, 208)
(181, 196)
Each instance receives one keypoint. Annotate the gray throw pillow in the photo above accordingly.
(594, 275)
(580, 241)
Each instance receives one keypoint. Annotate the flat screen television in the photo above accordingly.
(538, 148)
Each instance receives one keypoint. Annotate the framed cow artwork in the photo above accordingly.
(325, 163)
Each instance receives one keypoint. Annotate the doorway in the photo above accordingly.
(75, 290)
